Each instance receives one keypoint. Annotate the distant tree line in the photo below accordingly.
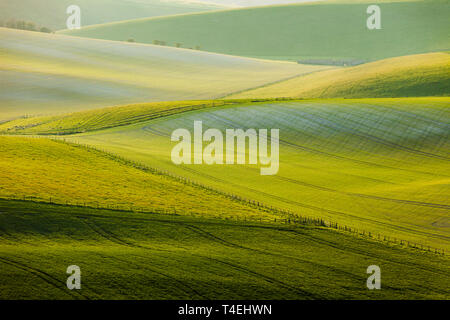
(24, 25)
(333, 62)
(163, 43)
(177, 44)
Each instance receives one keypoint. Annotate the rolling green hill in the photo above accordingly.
(374, 164)
(325, 30)
(125, 255)
(45, 170)
(46, 73)
(52, 13)
(408, 76)
(103, 118)
(87, 177)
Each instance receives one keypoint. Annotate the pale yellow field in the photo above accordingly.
(49, 73)
(42, 170)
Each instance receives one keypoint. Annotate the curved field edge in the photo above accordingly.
(117, 116)
(406, 76)
(45, 170)
(103, 118)
(153, 256)
(89, 178)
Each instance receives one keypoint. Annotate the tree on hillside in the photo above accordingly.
(45, 30)
(20, 24)
(11, 23)
(30, 26)
(24, 25)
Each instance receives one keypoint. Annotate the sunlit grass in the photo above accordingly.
(375, 164)
(408, 76)
(45, 170)
(147, 256)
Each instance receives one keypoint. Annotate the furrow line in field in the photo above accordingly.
(366, 253)
(109, 235)
(411, 202)
(182, 286)
(226, 243)
(341, 128)
(323, 153)
(314, 208)
(60, 285)
(264, 277)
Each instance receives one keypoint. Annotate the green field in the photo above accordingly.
(325, 30)
(126, 255)
(53, 13)
(45, 170)
(408, 76)
(103, 118)
(87, 178)
(375, 164)
(45, 74)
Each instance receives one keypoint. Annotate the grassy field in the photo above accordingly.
(375, 164)
(103, 118)
(324, 30)
(124, 255)
(53, 15)
(87, 179)
(407, 76)
(45, 74)
(45, 170)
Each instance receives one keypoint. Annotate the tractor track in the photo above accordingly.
(226, 243)
(187, 289)
(60, 285)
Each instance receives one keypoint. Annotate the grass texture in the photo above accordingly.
(47, 74)
(323, 30)
(149, 256)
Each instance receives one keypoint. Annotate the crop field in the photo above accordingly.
(408, 76)
(99, 132)
(94, 12)
(127, 255)
(325, 30)
(45, 170)
(103, 118)
(46, 74)
(341, 160)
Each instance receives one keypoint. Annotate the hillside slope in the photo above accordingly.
(44, 74)
(324, 30)
(103, 118)
(379, 165)
(408, 76)
(150, 256)
(44, 170)
(52, 13)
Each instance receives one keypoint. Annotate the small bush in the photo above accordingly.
(45, 30)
